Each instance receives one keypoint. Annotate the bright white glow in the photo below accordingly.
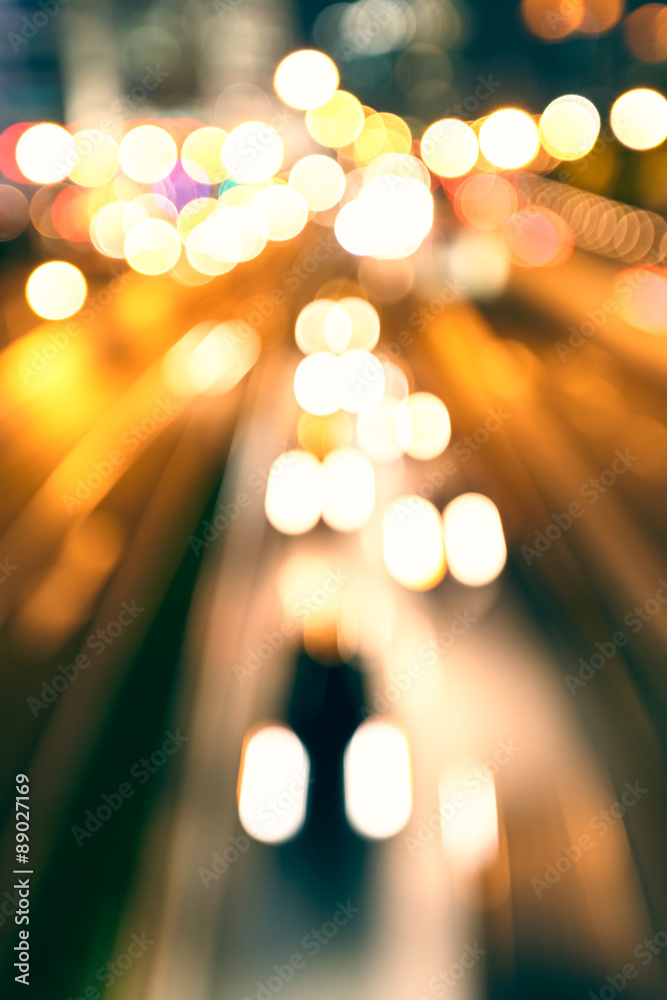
(56, 290)
(470, 829)
(414, 551)
(474, 539)
(316, 384)
(152, 246)
(97, 158)
(337, 329)
(361, 381)
(306, 79)
(569, 127)
(194, 213)
(378, 780)
(46, 153)
(235, 226)
(449, 148)
(147, 154)
(273, 785)
(110, 225)
(390, 218)
(309, 329)
(639, 118)
(393, 165)
(294, 494)
(423, 427)
(283, 209)
(348, 489)
(326, 325)
(376, 432)
(509, 138)
(252, 153)
(364, 323)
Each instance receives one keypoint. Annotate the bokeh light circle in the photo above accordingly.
(639, 118)
(474, 539)
(97, 161)
(306, 79)
(252, 153)
(338, 122)
(293, 502)
(46, 153)
(56, 290)
(201, 155)
(361, 380)
(348, 489)
(284, 211)
(147, 154)
(316, 384)
(449, 148)
(423, 427)
(14, 212)
(413, 546)
(509, 138)
(569, 127)
(152, 246)
(320, 180)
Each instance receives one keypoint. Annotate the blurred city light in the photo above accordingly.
(273, 784)
(378, 780)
